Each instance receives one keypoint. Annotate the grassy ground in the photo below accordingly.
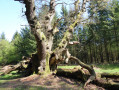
(9, 77)
(108, 68)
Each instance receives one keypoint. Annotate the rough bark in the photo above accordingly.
(110, 75)
(82, 74)
(76, 73)
(9, 68)
(43, 32)
(107, 84)
(88, 67)
(44, 38)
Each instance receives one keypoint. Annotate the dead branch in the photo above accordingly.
(9, 68)
(88, 67)
(82, 74)
(76, 73)
(107, 84)
(110, 75)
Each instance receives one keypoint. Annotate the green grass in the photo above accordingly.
(24, 87)
(9, 76)
(108, 68)
(103, 68)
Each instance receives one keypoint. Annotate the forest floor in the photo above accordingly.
(14, 81)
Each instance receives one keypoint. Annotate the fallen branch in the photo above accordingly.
(9, 68)
(82, 74)
(88, 67)
(61, 55)
(76, 73)
(110, 75)
(107, 84)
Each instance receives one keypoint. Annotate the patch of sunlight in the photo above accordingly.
(67, 67)
(107, 70)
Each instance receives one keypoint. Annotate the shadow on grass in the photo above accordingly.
(20, 86)
(36, 84)
(12, 75)
(25, 87)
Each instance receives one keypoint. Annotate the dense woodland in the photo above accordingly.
(98, 35)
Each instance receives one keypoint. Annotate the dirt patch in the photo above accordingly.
(50, 82)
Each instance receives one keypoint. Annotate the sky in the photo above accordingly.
(11, 18)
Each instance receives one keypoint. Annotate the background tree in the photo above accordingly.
(2, 35)
(24, 43)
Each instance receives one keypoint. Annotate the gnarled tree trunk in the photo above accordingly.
(47, 59)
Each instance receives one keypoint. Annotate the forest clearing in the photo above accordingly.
(66, 45)
(15, 81)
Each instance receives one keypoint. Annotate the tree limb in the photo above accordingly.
(89, 68)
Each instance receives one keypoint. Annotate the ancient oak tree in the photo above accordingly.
(46, 59)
